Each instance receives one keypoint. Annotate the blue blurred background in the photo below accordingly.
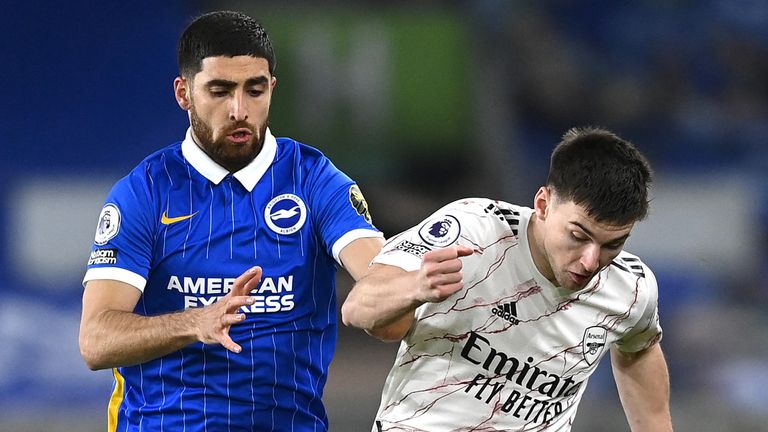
(423, 103)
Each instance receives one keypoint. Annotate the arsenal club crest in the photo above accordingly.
(593, 343)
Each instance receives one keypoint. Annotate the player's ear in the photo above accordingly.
(541, 202)
(182, 92)
(272, 85)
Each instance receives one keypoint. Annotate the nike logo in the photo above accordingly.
(165, 220)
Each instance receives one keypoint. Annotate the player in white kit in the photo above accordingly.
(505, 311)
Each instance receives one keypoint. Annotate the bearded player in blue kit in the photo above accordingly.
(210, 289)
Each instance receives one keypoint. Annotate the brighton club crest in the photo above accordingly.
(285, 214)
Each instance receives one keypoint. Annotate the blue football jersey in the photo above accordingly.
(181, 228)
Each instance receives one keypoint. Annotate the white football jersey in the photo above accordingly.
(510, 351)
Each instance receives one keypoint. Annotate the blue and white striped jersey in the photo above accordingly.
(180, 228)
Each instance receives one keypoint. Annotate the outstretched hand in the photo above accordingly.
(215, 320)
(440, 273)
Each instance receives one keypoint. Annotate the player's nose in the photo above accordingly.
(238, 110)
(590, 258)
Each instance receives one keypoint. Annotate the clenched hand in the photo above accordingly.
(440, 273)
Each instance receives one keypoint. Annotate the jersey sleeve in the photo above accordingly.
(122, 247)
(338, 207)
(647, 331)
(456, 223)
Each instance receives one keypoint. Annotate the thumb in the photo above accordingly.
(247, 281)
(462, 250)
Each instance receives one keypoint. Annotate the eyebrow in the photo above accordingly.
(589, 233)
(227, 84)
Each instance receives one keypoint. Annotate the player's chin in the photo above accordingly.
(239, 149)
(573, 282)
(237, 157)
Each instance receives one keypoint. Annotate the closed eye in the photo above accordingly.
(579, 237)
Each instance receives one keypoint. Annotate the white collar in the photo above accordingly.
(247, 176)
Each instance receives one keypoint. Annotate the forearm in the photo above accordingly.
(117, 338)
(384, 301)
(643, 383)
(377, 301)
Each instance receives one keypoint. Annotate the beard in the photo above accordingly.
(233, 157)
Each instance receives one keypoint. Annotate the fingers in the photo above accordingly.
(216, 319)
(447, 290)
(463, 251)
(439, 280)
(231, 304)
(441, 272)
(446, 260)
(449, 253)
(247, 282)
(222, 334)
(231, 319)
(441, 292)
(240, 296)
(439, 255)
(229, 344)
(445, 267)
(446, 278)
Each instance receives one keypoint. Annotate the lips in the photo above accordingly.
(240, 135)
(579, 279)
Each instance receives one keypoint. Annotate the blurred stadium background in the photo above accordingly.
(423, 103)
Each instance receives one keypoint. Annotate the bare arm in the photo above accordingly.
(357, 255)
(111, 335)
(643, 383)
(382, 303)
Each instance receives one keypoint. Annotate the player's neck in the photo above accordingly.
(537, 251)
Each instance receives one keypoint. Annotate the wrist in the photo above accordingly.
(191, 325)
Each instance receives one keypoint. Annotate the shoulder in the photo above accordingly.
(303, 157)
(153, 169)
(169, 153)
(289, 147)
(486, 209)
(309, 165)
(631, 264)
(632, 272)
(164, 159)
(471, 205)
(475, 219)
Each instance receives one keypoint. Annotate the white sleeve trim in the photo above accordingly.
(115, 273)
(349, 237)
(399, 259)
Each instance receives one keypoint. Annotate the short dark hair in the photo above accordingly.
(602, 172)
(222, 33)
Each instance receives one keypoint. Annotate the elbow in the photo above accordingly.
(351, 316)
(91, 359)
(93, 362)
(356, 314)
(384, 331)
(91, 354)
(387, 334)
